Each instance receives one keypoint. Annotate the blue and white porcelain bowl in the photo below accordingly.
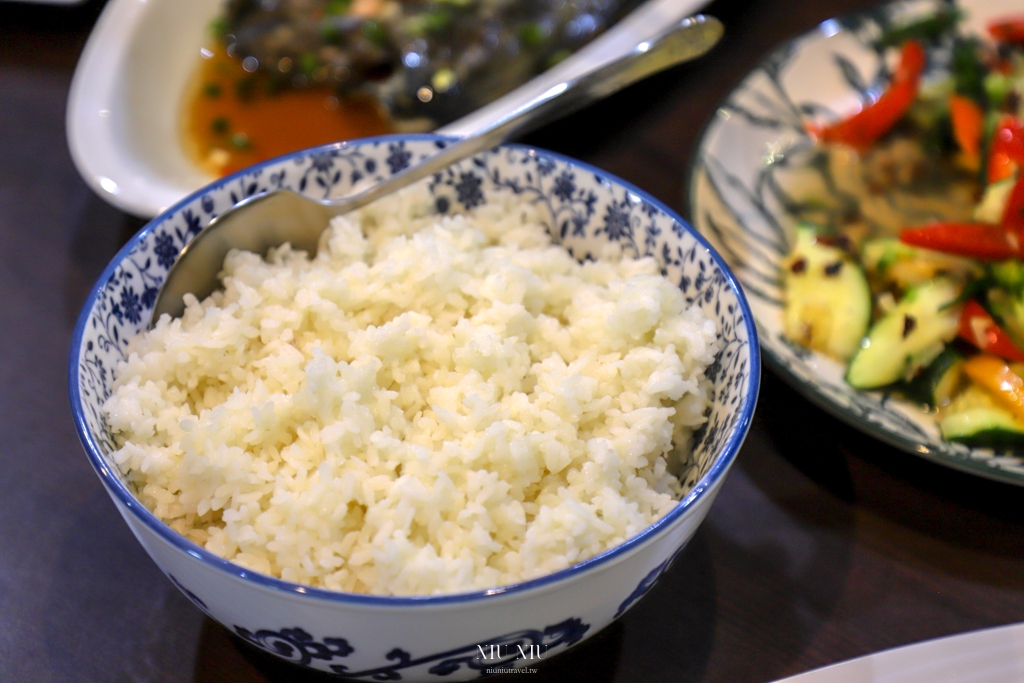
(454, 637)
(740, 198)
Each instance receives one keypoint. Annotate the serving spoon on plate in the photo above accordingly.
(271, 219)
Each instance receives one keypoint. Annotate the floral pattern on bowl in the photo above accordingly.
(738, 199)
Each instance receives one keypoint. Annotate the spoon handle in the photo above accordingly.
(680, 42)
(649, 19)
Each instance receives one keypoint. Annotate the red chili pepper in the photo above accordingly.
(975, 240)
(1007, 30)
(981, 329)
(1013, 213)
(1006, 157)
(1007, 148)
(873, 121)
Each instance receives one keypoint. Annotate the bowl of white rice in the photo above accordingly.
(470, 431)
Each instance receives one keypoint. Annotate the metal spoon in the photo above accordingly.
(273, 218)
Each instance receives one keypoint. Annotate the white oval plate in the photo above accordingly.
(123, 118)
(737, 200)
(995, 655)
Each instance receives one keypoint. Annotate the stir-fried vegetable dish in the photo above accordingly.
(910, 269)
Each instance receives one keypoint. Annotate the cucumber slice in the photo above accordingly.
(940, 381)
(1009, 275)
(828, 301)
(975, 418)
(993, 202)
(908, 337)
(1008, 310)
(889, 261)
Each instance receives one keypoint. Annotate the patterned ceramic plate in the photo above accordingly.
(749, 158)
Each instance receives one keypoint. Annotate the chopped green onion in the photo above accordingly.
(375, 33)
(434, 21)
(328, 29)
(337, 6)
(220, 125)
(308, 63)
(532, 34)
(557, 57)
(219, 27)
(212, 90)
(275, 83)
(245, 88)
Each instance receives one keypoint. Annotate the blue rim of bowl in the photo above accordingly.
(126, 498)
(807, 389)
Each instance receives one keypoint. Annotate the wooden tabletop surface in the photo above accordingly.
(824, 543)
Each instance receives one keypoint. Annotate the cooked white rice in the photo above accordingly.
(434, 404)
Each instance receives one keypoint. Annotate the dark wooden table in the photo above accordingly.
(823, 545)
